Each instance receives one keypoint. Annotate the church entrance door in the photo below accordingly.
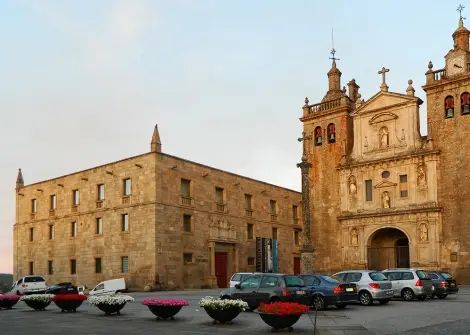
(388, 248)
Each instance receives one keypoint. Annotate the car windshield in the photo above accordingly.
(236, 277)
(377, 276)
(329, 279)
(446, 275)
(422, 274)
(33, 279)
(292, 281)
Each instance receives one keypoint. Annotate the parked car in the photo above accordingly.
(268, 287)
(62, 288)
(443, 284)
(371, 285)
(326, 291)
(109, 287)
(410, 283)
(238, 277)
(29, 285)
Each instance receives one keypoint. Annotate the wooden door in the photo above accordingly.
(221, 269)
(296, 265)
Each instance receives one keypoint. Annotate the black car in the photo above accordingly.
(443, 284)
(326, 291)
(269, 287)
(62, 288)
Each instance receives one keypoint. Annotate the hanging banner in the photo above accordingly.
(266, 255)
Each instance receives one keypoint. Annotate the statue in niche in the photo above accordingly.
(352, 185)
(354, 237)
(421, 175)
(383, 135)
(385, 200)
(423, 232)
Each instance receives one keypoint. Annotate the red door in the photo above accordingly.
(221, 269)
(296, 265)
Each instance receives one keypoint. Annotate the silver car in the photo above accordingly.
(371, 285)
(410, 283)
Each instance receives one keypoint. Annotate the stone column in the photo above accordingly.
(307, 250)
(236, 258)
(212, 277)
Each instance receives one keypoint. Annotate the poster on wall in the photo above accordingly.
(266, 255)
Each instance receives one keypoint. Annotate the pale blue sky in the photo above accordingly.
(82, 83)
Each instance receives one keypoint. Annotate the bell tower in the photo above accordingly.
(448, 119)
(328, 137)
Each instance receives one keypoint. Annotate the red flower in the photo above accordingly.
(283, 308)
(165, 302)
(69, 297)
(7, 296)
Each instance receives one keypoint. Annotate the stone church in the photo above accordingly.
(381, 194)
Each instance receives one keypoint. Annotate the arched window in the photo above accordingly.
(449, 107)
(318, 136)
(465, 103)
(331, 132)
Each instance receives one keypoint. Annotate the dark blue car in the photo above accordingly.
(326, 291)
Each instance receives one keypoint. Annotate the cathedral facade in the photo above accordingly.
(381, 194)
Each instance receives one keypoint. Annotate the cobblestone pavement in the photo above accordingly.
(449, 316)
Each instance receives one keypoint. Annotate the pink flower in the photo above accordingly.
(12, 297)
(166, 302)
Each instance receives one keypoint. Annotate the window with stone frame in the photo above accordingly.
(187, 258)
(73, 266)
(273, 209)
(295, 214)
(248, 204)
(249, 231)
(449, 107)
(31, 268)
(296, 237)
(318, 136)
(34, 206)
(99, 226)
(274, 233)
(125, 264)
(331, 133)
(31, 234)
(219, 199)
(75, 197)
(185, 191)
(125, 222)
(465, 103)
(98, 265)
(127, 187)
(73, 229)
(100, 192)
(187, 225)
(53, 202)
(403, 186)
(51, 232)
(368, 187)
(50, 267)
(251, 261)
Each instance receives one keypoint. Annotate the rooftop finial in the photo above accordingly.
(384, 86)
(156, 144)
(19, 180)
(333, 51)
(460, 10)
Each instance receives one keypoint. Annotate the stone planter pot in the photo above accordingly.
(68, 305)
(223, 315)
(164, 312)
(277, 321)
(109, 309)
(37, 305)
(8, 300)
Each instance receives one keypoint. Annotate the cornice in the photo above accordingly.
(388, 212)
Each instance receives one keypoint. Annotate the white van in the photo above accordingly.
(29, 285)
(109, 287)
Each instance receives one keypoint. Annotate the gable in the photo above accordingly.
(383, 100)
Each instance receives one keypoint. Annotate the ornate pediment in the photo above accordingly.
(383, 117)
(385, 183)
(385, 100)
(222, 230)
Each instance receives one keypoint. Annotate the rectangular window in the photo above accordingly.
(295, 214)
(187, 223)
(31, 268)
(274, 231)
(75, 197)
(34, 206)
(73, 266)
(251, 261)
(273, 209)
(187, 258)
(31, 234)
(248, 204)
(368, 184)
(51, 232)
(249, 231)
(127, 186)
(125, 264)
(100, 192)
(73, 229)
(296, 237)
(99, 226)
(185, 188)
(219, 195)
(53, 202)
(403, 186)
(125, 222)
(97, 265)
(50, 268)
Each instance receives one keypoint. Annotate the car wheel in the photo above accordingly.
(318, 302)
(384, 301)
(442, 296)
(407, 294)
(365, 298)
(340, 306)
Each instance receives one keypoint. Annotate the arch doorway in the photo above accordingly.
(388, 248)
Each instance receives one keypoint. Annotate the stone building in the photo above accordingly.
(383, 195)
(157, 220)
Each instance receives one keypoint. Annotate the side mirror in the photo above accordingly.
(238, 287)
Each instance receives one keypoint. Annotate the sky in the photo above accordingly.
(83, 82)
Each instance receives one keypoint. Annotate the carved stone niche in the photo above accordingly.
(422, 232)
(221, 230)
(421, 176)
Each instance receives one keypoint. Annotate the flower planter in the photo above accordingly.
(111, 309)
(38, 302)
(110, 304)
(223, 315)
(165, 308)
(68, 302)
(8, 300)
(277, 321)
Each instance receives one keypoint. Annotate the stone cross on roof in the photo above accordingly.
(460, 10)
(384, 86)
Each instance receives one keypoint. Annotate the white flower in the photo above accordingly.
(38, 297)
(217, 303)
(113, 299)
